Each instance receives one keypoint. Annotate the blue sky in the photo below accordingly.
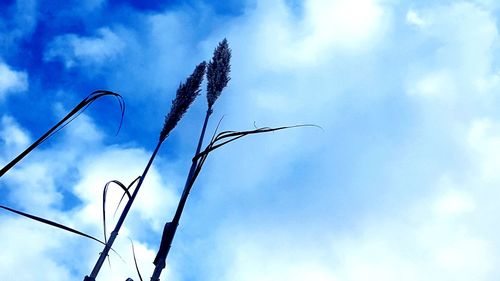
(401, 183)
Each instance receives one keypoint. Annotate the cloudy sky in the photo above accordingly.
(401, 183)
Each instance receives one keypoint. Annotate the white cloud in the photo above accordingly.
(454, 203)
(434, 238)
(20, 22)
(13, 137)
(154, 200)
(324, 28)
(435, 85)
(461, 65)
(483, 139)
(11, 81)
(392, 189)
(74, 50)
(26, 243)
(414, 18)
(428, 228)
(47, 168)
(40, 184)
(94, 4)
(352, 25)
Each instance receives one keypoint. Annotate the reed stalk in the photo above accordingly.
(217, 76)
(186, 93)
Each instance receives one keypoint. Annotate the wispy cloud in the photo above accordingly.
(11, 81)
(65, 185)
(74, 50)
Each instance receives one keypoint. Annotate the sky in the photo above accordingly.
(400, 183)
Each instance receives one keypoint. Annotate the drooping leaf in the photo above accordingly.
(78, 109)
(51, 223)
(104, 193)
(135, 261)
(126, 191)
(123, 194)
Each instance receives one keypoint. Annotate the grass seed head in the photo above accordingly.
(186, 93)
(218, 72)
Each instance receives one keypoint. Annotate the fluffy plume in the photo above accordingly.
(186, 93)
(218, 72)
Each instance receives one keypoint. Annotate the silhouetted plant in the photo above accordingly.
(218, 77)
(186, 93)
(217, 73)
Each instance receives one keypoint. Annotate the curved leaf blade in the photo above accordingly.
(77, 110)
(51, 223)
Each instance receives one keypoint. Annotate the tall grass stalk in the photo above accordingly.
(186, 93)
(217, 76)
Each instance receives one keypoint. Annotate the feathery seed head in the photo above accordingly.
(218, 72)
(186, 93)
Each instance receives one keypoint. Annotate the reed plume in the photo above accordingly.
(217, 76)
(218, 72)
(186, 93)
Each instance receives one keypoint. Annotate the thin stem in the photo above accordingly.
(114, 233)
(187, 186)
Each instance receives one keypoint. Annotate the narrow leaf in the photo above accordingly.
(123, 195)
(78, 109)
(51, 223)
(226, 137)
(105, 191)
(135, 261)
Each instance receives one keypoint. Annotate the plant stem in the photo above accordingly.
(189, 184)
(171, 227)
(114, 233)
